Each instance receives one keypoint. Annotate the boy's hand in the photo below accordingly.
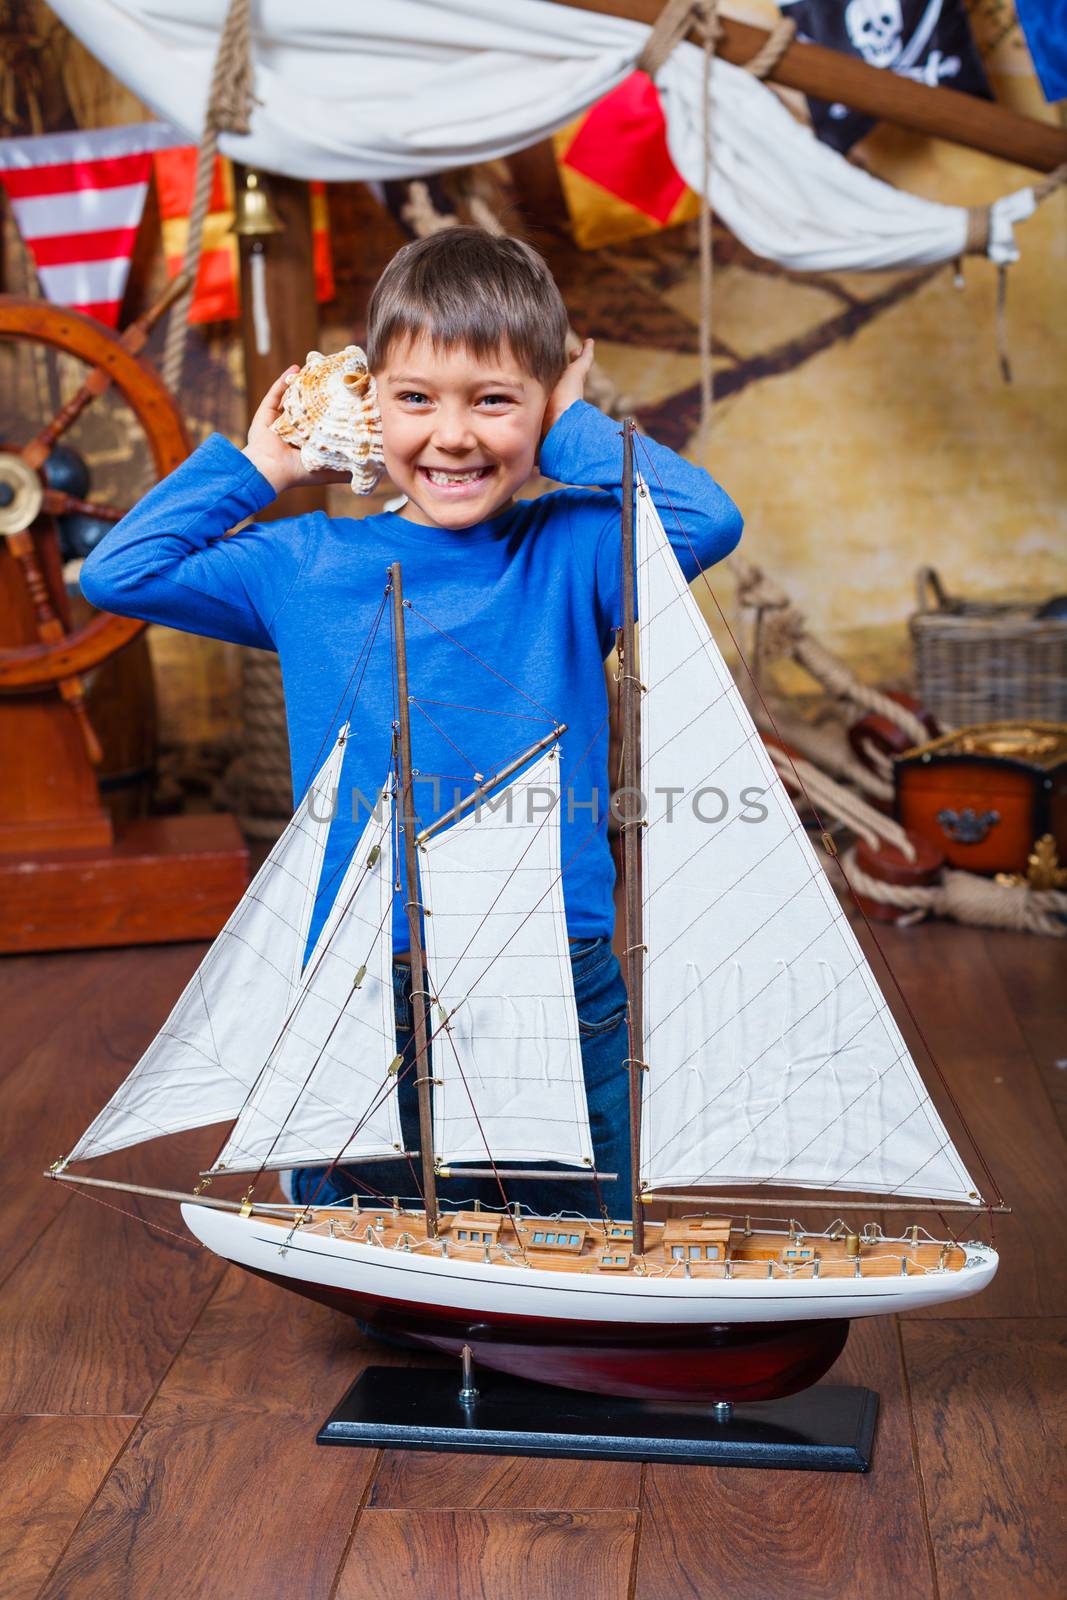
(280, 462)
(570, 387)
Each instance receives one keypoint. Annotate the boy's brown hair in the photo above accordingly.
(470, 289)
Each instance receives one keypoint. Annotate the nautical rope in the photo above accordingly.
(965, 897)
(827, 745)
(229, 109)
(672, 25)
(767, 57)
(976, 243)
(873, 827)
(784, 632)
(668, 30)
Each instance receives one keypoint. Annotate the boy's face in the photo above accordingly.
(459, 435)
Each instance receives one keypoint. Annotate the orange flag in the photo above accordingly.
(217, 296)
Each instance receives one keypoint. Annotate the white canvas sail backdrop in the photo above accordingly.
(201, 1065)
(508, 1067)
(356, 89)
(772, 1055)
(326, 1090)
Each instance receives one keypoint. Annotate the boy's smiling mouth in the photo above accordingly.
(455, 482)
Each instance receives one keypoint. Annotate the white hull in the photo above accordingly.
(417, 1278)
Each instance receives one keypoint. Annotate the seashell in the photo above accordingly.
(330, 414)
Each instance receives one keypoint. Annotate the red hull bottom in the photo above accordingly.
(734, 1361)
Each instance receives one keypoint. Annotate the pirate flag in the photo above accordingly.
(929, 40)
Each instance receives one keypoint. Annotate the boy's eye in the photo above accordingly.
(496, 400)
(413, 394)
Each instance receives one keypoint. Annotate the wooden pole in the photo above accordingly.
(629, 689)
(418, 964)
(832, 75)
(292, 312)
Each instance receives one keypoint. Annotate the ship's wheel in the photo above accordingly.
(51, 816)
(36, 483)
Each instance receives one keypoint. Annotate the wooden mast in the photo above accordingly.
(418, 963)
(629, 689)
(832, 75)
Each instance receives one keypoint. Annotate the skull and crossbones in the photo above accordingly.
(875, 28)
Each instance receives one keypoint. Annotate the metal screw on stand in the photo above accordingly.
(467, 1389)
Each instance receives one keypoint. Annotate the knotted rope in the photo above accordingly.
(873, 827)
(965, 897)
(229, 109)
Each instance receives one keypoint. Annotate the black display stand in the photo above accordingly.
(829, 1428)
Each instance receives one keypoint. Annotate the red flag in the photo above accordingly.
(78, 199)
(616, 170)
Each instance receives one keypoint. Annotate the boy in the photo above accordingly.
(513, 608)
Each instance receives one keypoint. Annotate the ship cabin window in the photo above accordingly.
(798, 1252)
(619, 1231)
(474, 1227)
(559, 1238)
(615, 1262)
(678, 1252)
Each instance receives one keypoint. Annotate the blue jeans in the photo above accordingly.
(602, 1026)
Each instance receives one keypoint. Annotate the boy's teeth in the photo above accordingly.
(454, 477)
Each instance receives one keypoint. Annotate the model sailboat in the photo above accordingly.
(762, 1055)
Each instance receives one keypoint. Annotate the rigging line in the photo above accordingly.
(367, 646)
(266, 1067)
(477, 658)
(485, 711)
(556, 881)
(302, 1090)
(183, 1238)
(340, 867)
(390, 1087)
(592, 832)
(935, 1063)
(461, 753)
(485, 1141)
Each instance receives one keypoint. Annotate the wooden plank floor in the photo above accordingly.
(158, 1411)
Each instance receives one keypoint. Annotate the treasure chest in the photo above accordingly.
(984, 795)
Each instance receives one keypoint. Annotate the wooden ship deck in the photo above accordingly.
(698, 1247)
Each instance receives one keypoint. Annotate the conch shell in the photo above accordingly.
(330, 414)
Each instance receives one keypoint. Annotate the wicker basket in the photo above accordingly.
(987, 661)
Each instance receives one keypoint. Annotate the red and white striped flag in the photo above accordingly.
(78, 199)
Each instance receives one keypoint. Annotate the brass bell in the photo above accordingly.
(254, 216)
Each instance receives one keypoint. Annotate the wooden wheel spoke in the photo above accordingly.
(132, 341)
(36, 453)
(59, 504)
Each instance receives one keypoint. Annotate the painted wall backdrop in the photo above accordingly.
(861, 421)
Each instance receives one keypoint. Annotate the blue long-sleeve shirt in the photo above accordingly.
(530, 599)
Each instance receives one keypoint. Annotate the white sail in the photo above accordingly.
(772, 1055)
(327, 1090)
(205, 1058)
(507, 1067)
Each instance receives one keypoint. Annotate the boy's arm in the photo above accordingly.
(585, 447)
(168, 560)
